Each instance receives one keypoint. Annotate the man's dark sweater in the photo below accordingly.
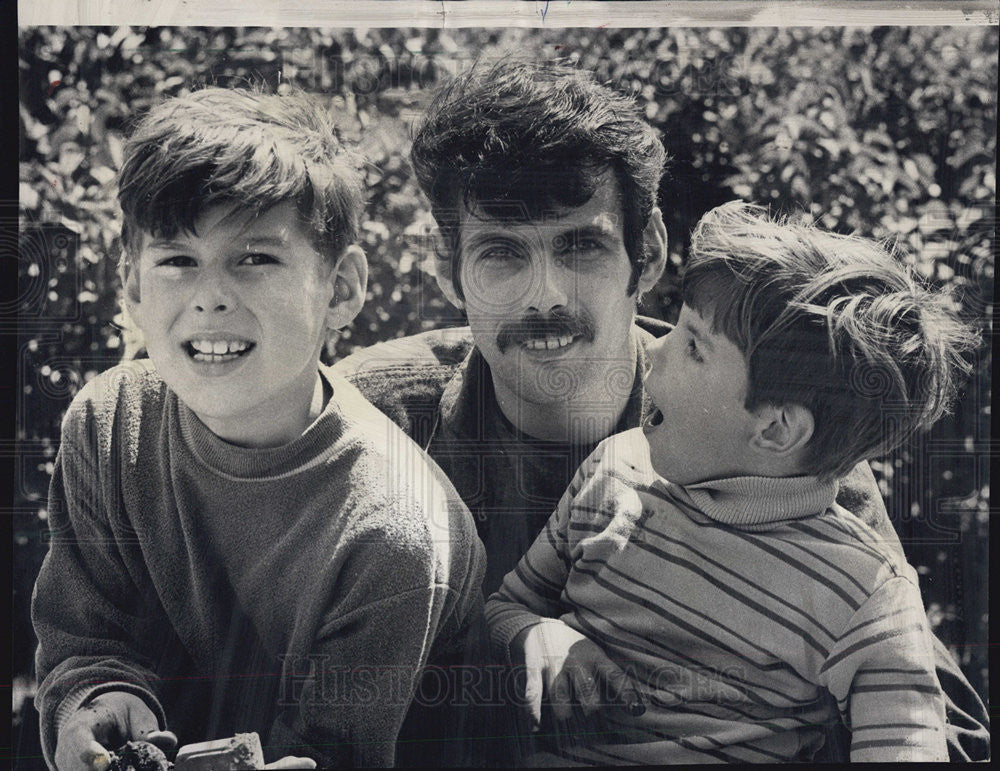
(438, 388)
(296, 591)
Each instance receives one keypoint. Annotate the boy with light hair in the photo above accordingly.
(704, 552)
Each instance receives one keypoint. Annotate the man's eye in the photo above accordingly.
(258, 258)
(578, 251)
(176, 261)
(692, 350)
(585, 245)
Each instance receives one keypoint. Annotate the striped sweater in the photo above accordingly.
(747, 612)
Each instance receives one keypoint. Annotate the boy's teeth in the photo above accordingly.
(218, 347)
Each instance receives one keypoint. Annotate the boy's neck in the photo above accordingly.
(279, 425)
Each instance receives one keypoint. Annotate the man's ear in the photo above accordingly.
(443, 274)
(783, 430)
(350, 282)
(655, 240)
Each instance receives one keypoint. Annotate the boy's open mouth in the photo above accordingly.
(652, 420)
(217, 351)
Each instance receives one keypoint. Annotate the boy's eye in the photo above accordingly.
(176, 261)
(692, 350)
(258, 258)
(498, 254)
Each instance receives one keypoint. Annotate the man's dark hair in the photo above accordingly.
(535, 138)
(245, 147)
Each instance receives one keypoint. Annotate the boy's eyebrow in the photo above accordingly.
(698, 335)
(266, 241)
(167, 243)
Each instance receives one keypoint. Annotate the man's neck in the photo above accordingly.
(585, 419)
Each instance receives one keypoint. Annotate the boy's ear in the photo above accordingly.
(350, 282)
(782, 430)
(129, 276)
(655, 239)
(443, 275)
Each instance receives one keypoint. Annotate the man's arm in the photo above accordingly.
(86, 610)
(968, 731)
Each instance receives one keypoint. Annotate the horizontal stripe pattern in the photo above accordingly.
(743, 641)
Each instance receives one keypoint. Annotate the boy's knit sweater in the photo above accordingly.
(295, 591)
(747, 611)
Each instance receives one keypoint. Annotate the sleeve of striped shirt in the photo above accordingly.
(881, 671)
(531, 592)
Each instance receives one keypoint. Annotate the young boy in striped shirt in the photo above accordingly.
(697, 594)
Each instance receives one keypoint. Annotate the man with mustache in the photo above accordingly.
(543, 184)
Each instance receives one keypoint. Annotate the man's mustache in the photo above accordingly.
(539, 327)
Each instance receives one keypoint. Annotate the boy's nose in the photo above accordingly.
(219, 307)
(655, 349)
(213, 297)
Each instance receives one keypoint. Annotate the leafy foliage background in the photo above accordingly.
(889, 132)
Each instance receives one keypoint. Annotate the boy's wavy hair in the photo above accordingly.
(242, 146)
(834, 323)
(534, 138)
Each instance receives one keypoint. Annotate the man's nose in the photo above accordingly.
(551, 287)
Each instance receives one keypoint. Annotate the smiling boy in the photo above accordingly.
(704, 552)
(240, 541)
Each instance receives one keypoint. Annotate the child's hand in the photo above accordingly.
(290, 761)
(108, 720)
(564, 665)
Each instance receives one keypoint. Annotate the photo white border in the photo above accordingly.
(508, 13)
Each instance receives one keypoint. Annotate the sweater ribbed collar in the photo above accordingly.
(752, 502)
(747, 502)
(229, 459)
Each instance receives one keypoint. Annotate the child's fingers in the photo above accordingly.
(588, 691)
(561, 696)
(77, 746)
(165, 740)
(78, 749)
(621, 690)
(533, 692)
(290, 761)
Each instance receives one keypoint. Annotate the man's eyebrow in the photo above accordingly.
(477, 239)
(601, 229)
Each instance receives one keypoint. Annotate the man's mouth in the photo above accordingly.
(546, 333)
(217, 351)
(548, 343)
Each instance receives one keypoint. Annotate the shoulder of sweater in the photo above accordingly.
(844, 540)
(132, 387)
(397, 456)
(406, 377)
(435, 348)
